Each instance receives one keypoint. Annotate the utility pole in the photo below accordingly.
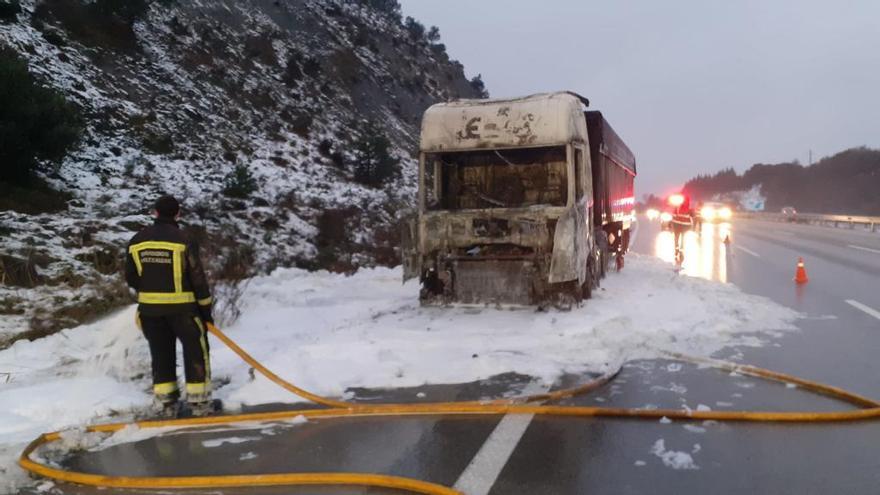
(811, 157)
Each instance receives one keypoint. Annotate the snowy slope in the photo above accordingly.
(196, 88)
(329, 332)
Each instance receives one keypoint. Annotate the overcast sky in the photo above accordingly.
(692, 86)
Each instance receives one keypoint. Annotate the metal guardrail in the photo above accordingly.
(851, 221)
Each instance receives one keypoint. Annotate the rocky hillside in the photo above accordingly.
(260, 115)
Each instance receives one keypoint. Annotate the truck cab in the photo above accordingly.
(506, 210)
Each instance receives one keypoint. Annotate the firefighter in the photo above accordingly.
(174, 303)
(682, 221)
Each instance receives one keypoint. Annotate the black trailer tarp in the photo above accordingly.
(614, 170)
(604, 139)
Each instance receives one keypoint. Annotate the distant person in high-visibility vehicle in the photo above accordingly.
(682, 220)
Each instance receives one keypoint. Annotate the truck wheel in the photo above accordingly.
(589, 284)
(593, 265)
(602, 246)
(565, 295)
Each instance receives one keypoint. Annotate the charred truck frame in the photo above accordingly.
(522, 201)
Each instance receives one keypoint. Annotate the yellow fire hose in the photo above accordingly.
(869, 410)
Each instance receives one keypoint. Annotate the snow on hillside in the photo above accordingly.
(190, 90)
(329, 333)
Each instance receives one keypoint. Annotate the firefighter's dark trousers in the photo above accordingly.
(678, 230)
(162, 333)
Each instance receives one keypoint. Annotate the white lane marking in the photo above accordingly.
(747, 250)
(867, 309)
(862, 248)
(484, 468)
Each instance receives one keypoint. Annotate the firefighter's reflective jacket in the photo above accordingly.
(163, 266)
(681, 215)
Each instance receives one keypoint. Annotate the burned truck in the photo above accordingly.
(521, 201)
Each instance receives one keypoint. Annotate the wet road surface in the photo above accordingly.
(838, 343)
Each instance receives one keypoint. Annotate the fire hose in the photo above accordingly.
(868, 409)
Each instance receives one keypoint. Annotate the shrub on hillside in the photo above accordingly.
(96, 23)
(439, 50)
(9, 10)
(373, 162)
(415, 29)
(325, 147)
(293, 72)
(311, 67)
(479, 86)
(240, 183)
(230, 271)
(37, 124)
(433, 35)
(260, 48)
(390, 8)
(333, 241)
(301, 124)
(127, 10)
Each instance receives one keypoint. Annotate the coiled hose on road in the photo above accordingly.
(870, 409)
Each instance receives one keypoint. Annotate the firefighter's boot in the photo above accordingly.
(200, 404)
(166, 405)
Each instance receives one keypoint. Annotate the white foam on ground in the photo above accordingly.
(329, 332)
(694, 428)
(217, 442)
(674, 459)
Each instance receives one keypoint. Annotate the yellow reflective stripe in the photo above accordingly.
(177, 262)
(206, 301)
(171, 246)
(166, 297)
(166, 388)
(137, 262)
(197, 388)
(203, 341)
(199, 324)
(177, 249)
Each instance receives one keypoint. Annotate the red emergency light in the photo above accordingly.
(676, 199)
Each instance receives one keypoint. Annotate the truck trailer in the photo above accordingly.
(614, 172)
(522, 201)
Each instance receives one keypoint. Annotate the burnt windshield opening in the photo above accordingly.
(510, 178)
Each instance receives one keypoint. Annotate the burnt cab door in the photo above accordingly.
(410, 249)
(573, 240)
(409, 246)
(584, 187)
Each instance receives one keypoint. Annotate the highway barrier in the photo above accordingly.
(851, 221)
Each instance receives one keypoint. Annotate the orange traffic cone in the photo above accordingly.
(800, 275)
(727, 240)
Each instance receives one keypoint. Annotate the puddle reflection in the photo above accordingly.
(705, 253)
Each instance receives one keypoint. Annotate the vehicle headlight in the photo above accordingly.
(652, 214)
(725, 213)
(666, 216)
(707, 212)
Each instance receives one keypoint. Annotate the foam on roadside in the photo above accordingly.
(329, 332)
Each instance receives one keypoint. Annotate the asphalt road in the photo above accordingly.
(838, 343)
